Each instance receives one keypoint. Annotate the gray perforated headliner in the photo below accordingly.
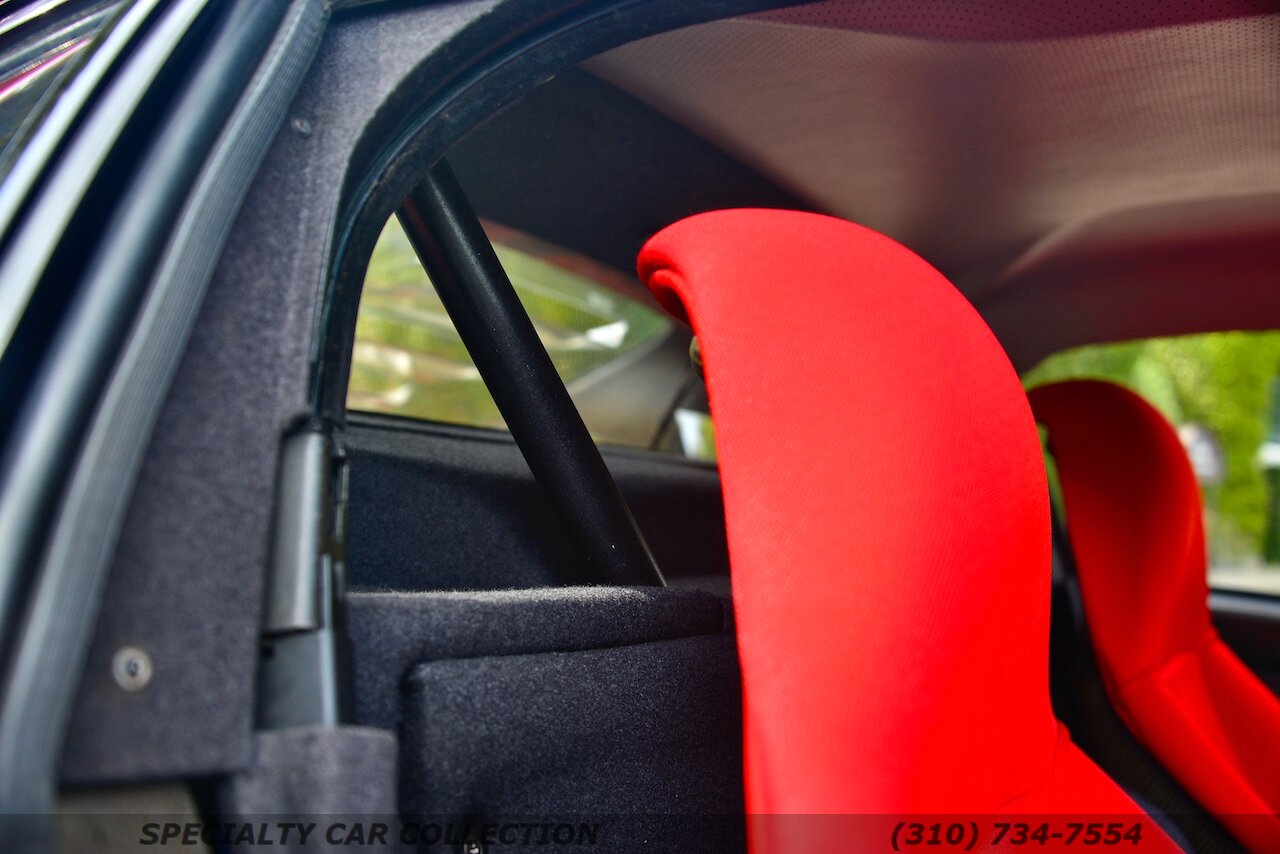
(1047, 176)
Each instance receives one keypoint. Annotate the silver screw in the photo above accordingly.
(132, 668)
(302, 127)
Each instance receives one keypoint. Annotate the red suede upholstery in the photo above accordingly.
(1134, 518)
(888, 532)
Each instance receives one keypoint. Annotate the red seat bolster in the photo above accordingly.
(888, 527)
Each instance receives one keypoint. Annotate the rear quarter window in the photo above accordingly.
(624, 362)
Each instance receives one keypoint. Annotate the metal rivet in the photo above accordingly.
(472, 846)
(132, 668)
(302, 127)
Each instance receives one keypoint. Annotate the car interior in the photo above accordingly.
(793, 265)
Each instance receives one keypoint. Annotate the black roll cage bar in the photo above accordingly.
(477, 294)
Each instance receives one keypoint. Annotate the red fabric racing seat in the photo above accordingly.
(888, 525)
(1135, 523)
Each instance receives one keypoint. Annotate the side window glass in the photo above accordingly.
(622, 359)
(1222, 390)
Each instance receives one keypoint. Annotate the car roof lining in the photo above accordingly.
(1007, 147)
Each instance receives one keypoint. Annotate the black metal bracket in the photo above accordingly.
(478, 295)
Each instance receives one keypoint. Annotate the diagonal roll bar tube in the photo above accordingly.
(451, 244)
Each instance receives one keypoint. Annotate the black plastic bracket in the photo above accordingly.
(305, 659)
